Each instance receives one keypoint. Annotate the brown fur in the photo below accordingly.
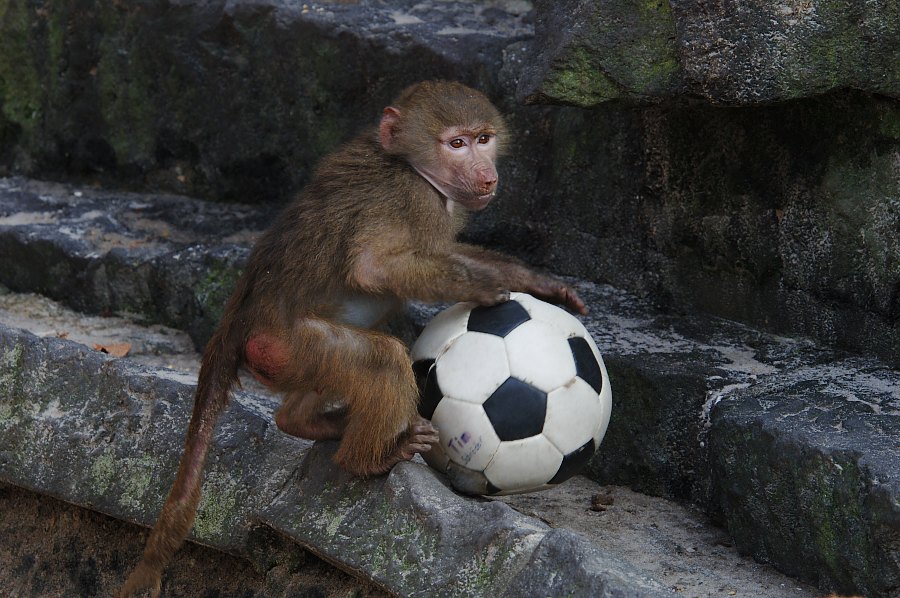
(367, 230)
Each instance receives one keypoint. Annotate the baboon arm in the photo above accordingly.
(462, 273)
(429, 276)
(519, 277)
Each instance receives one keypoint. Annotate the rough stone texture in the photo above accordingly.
(666, 541)
(752, 52)
(50, 549)
(675, 543)
(135, 91)
(65, 409)
(784, 217)
(171, 260)
(586, 53)
(811, 458)
(667, 371)
(55, 399)
(733, 53)
(426, 532)
(781, 216)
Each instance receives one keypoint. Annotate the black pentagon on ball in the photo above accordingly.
(430, 393)
(586, 366)
(498, 320)
(574, 462)
(516, 410)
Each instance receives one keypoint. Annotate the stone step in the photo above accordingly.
(299, 79)
(745, 424)
(805, 470)
(170, 260)
(104, 433)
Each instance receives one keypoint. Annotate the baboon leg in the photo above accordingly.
(369, 371)
(307, 415)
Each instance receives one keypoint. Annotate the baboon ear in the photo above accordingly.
(390, 119)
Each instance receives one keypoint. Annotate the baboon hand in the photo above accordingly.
(555, 291)
(420, 438)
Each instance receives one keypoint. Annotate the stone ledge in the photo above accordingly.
(806, 473)
(171, 261)
(66, 409)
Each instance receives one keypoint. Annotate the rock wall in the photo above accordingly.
(728, 53)
(231, 100)
(784, 215)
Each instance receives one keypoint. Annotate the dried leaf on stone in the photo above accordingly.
(114, 349)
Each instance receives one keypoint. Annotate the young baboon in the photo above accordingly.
(376, 225)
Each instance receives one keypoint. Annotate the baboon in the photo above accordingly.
(376, 225)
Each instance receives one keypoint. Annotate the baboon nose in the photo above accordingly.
(488, 183)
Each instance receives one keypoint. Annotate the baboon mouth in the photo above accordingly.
(479, 202)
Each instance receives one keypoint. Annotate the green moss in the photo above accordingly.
(889, 120)
(21, 88)
(11, 369)
(580, 81)
(654, 61)
(334, 517)
(126, 91)
(58, 24)
(217, 513)
(104, 471)
(136, 480)
(864, 213)
(127, 477)
(322, 66)
(837, 522)
(214, 289)
(832, 48)
(632, 54)
(478, 576)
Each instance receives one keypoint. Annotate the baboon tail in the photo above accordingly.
(218, 374)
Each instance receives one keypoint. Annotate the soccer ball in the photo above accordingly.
(518, 392)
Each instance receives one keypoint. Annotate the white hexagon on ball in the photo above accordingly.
(441, 330)
(539, 354)
(574, 414)
(472, 367)
(541, 311)
(467, 437)
(524, 464)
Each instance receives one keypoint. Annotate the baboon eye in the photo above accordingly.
(457, 143)
(482, 139)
